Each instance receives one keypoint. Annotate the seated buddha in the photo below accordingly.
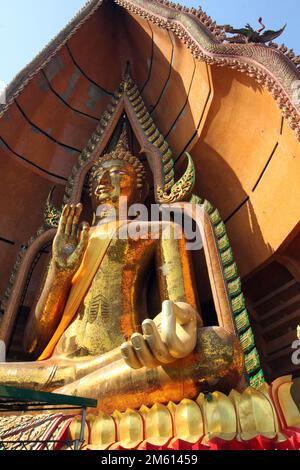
(104, 327)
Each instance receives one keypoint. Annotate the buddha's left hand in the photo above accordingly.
(170, 336)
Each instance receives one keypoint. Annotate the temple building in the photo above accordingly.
(213, 115)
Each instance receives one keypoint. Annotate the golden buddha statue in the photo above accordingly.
(97, 325)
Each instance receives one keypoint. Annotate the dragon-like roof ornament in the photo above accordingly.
(250, 35)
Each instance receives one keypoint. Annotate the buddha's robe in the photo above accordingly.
(122, 280)
(110, 294)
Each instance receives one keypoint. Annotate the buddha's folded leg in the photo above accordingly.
(54, 372)
(216, 363)
(31, 375)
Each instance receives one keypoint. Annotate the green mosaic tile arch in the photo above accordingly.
(234, 291)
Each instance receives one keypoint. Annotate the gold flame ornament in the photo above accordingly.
(182, 189)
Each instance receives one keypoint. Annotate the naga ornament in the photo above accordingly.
(182, 189)
(51, 213)
(248, 34)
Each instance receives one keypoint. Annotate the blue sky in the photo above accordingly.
(26, 26)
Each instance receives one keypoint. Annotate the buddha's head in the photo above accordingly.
(118, 176)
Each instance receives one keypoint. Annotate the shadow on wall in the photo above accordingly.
(222, 185)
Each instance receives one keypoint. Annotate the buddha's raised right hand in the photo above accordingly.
(70, 242)
(170, 336)
(68, 248)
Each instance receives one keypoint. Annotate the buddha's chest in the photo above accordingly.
(115, 303)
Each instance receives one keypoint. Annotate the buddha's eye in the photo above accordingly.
(118, 173)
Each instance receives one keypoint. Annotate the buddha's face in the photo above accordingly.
(114, 180)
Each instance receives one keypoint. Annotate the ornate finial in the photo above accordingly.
(127, 80)
(182, 189)
(122, 145)
(127, 72)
